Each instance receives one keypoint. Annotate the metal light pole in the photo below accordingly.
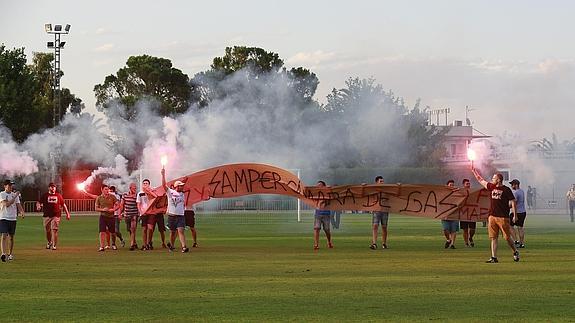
(57, 112)
(57, 45)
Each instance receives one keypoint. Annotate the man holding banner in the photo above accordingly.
(379, 217)
(322, 218)
(450, 227)
(501, 197)
(175, 212)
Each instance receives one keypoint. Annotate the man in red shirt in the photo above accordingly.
(501, 197)
(51, 204)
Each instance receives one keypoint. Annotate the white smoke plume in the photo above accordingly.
(13, 161)
(258, 121)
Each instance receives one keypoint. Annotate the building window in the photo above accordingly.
(453, 150)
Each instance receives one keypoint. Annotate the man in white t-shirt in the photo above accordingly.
(176, 206)
(10, 207)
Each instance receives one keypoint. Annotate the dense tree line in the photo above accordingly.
(26, 101)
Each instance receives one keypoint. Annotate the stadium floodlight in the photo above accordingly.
(57, 45)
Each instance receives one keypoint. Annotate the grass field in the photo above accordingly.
(254, 271)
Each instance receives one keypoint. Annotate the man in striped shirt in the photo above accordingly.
(130, 209)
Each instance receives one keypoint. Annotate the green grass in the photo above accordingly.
(264, 269)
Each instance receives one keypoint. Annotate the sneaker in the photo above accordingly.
(471, 242)
(330, 245)
(132, 248)
(107, 247)
(315, 247)
(3, 257)
(516, 256)
(170, 247)
(452, 246)
(144, 247)
(373, 246)
(114, 247)
(151, 246)
(467, 245)
(516, 243)
(123, 243)
(384, 246)
(447, 243)
(49, 245)
(195, 245)
(101, 249)
(492, 260)
(54, 248)
(521, 245)
(10, 257)
(185, 249)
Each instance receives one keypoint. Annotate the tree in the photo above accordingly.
(390, 134)
(146, 77)
(42, 67)
(18, 92)
(258, 66)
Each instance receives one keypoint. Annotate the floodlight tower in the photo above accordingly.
(57, 45)
(57, 110)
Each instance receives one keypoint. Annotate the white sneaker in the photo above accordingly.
(49, 245)
(54, 248)
(10, 257)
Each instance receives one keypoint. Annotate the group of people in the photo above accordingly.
(323, 218)
(132, 207)
(507, 215)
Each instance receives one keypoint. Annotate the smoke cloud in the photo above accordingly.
(260, 120)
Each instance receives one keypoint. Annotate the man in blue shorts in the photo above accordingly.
(322, 218)
(450, 227)
(379, 217)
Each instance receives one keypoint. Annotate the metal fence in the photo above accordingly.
(217, 210)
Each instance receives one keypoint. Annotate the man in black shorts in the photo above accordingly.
(468, 227)
(190, 216)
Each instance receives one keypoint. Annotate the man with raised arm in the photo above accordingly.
(501, 198)
(176, 209)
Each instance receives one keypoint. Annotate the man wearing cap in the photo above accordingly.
(10, 207)
(176, 211)
(517, 230)
(501, 198)
(571, 200)
(51, 204)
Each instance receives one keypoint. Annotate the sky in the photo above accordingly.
(511, 62)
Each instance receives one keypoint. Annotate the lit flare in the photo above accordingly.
(471, 155)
